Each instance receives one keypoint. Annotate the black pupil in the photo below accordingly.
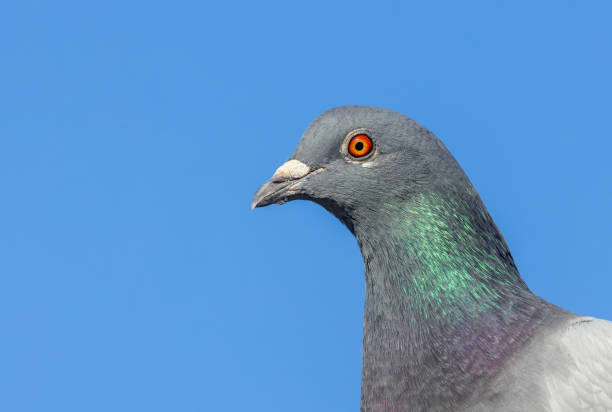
(359, 146)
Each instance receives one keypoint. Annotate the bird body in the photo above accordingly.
(449, 324)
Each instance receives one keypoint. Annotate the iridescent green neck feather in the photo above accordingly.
(452, 255)
(445, 305)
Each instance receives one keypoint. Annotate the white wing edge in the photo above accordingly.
(581, 379)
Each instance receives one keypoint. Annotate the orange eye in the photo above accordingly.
(360, 145)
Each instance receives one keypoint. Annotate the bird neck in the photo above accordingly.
(444, 300)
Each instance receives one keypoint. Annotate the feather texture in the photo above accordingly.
(449, 324)
(584, 380)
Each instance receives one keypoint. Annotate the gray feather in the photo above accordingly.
(449, 324)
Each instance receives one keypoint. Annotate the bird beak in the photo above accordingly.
(283, 185)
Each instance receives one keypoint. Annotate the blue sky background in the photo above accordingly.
(134, 134)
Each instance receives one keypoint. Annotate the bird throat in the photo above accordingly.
(445, 305)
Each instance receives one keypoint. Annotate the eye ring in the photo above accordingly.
(358, 146)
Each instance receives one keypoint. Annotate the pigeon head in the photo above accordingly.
(449, 323)
(397, 188)
(352, 158)
(439, 275)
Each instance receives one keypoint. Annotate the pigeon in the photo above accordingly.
(449, 324)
